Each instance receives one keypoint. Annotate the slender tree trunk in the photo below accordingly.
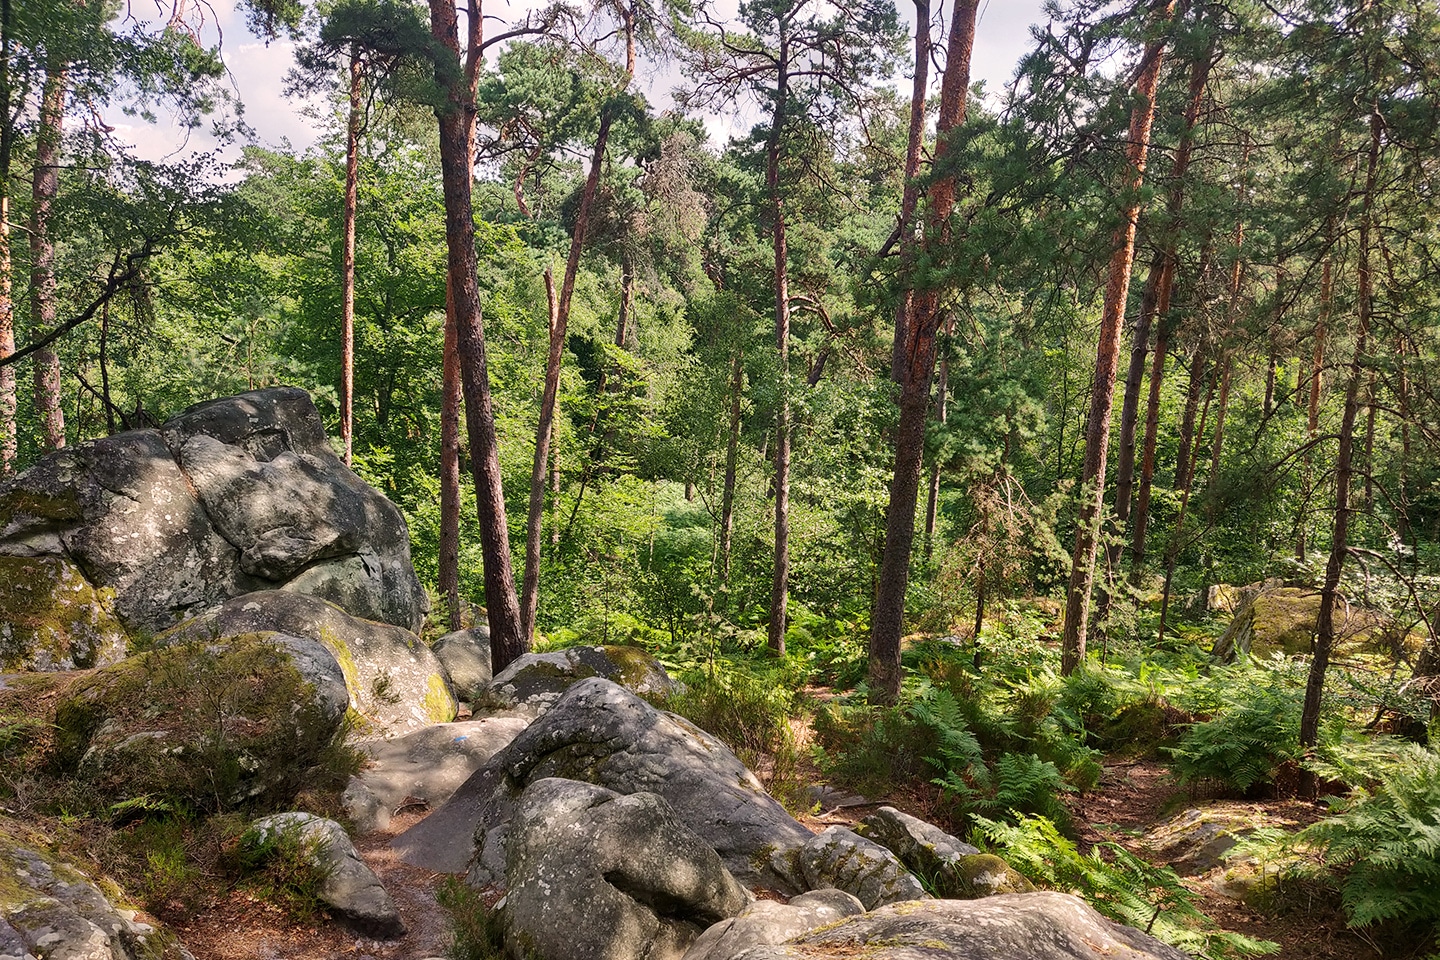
(1339, 540)
(8, 393)
(924, 320)
(1270, 370)
(914, 146)
(42, 255)
(1312, 415)
(559, 320)
(449, 559)
(1097, 441)
(1199, 377)
(1158, 281)
(347, 266)
(1369, 503)
(456, 117)
(1141, 519)
(932, 499)
(732, 460)
(623, 333)
(780, 584)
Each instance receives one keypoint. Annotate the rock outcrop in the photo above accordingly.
(593, 875)
(54, 619)
(396, 682)
(601, 733)
(1023, 926)
(349, 888)
(535, 681)
(842, 859)
(230, 496)
(466, 656)
(768, 922)
(50, 909)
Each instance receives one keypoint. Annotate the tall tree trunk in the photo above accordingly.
(1141, 520)
(449, 559)
(623, 332)
(42, 255)
(910, 197)
(456, 118)
(932, 499)
(1312, 414)
(1339, 540)
(559, 320)
(1199, 378)
(924, 320)
(780, 583)
(347, 265)
(1097, 440)
(1157, 283)
(8, 393)
(732, 460)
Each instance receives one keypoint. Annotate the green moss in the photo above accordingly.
(54, 618)
(983, 875)
(57, 508)
(633, 666)
(343, 656)
(439, 705)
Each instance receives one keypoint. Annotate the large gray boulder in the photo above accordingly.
(841, 858)
(396, 682)
(425, 766)
(228, 497)
(536, 681)
(466, 656)
(1021, 926)
(50, 909)
(594, 875)
(953, 868)
(54, 619)
(769, 922)
(601, 733)
(201, 725)
(349, 888)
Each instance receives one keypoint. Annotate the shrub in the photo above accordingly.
(1385, 842)
(1116, 883)
(282, 866)
(1254, 735)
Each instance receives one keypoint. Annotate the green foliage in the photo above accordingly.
(285, 867)
(477, 931)
(1117, 883)
(1254, 734)
(1384, 842)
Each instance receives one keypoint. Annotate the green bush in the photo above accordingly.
(477, 932)
(1117, 883)
(1256, 732)
(1385, 844)
(282, 866)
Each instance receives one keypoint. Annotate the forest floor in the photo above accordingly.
(1132, 796)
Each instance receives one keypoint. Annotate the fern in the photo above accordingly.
(1255, 733)
(1386, 840)
(1118, 884)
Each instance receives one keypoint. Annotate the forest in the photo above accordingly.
(987, 437)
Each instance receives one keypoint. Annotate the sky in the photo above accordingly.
(257, 71)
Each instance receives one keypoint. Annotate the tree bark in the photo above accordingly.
(559, 320)
(8, 393)
(914, 146)
(732, 460)
(43, 306)
(932, 499)
(1339, 540)
(347, 258)
(1141, 520)
(456, 118)
(449, 559)
(1312, 414)
(924, 317)
(780, 582)
(1097, 440)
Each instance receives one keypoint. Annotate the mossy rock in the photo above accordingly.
(1283, 620)
(198, 726)
(980, 875)
(53, 619)
(536, 680)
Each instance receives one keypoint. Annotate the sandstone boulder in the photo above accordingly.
(50, 909)
(600, 733)
(228, 497)
(466, 656)
(426, 766)
(1023, 926)
(349, 888)
(768, 922)
(199, 725)
(396, 682)
(843, 859)
(535, 681)
(54, 619)
(594, 875)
